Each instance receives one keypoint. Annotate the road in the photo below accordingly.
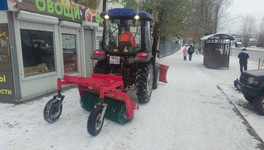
(253, 55)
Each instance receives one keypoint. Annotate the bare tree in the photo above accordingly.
(260, 40)
(224, 18)
(247, 29)
(219, 10)
(204, 18)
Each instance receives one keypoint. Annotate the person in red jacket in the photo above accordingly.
(185, 52)
(126, 36)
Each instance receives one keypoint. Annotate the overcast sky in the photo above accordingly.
(240, 8)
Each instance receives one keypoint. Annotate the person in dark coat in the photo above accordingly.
(243, 57)
(190, 52)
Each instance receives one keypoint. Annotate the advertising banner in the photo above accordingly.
(6, 75)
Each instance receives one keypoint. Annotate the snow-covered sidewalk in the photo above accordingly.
(189, 112)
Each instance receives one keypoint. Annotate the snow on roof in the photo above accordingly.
(217, 36)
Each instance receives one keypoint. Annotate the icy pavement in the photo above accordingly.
(189, 112)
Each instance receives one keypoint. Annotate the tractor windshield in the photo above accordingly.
(123, 35)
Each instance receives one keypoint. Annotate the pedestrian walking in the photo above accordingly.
(185, 52)
(243, 57)
(190, 52)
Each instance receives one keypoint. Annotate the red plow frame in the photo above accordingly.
(105, 86)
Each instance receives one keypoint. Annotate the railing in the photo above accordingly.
(168, 47)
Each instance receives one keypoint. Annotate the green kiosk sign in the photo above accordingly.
(64, 10)
(67, 10)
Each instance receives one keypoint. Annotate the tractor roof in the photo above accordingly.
(126, 13)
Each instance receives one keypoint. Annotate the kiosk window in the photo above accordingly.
(37, 51)
(69, 53)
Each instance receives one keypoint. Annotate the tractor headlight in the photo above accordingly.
(253, 80)
(106, 17)
(136, 17)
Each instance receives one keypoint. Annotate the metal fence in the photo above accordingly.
(168, 47)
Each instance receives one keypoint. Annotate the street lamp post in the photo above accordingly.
(103, 40)
(104, 5)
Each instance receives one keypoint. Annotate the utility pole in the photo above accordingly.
(104, 32)
(104, 5)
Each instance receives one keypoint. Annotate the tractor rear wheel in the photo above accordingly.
(94, 124)
(52, 110)
(144, 82)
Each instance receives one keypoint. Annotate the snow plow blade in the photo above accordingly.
(163, 73)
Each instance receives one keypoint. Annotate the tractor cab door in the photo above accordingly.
(146, 33)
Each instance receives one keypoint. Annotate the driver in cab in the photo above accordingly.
(127, 37)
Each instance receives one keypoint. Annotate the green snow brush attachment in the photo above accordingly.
(116, 110)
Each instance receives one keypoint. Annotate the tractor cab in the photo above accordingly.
(128, 51)
(126, 31)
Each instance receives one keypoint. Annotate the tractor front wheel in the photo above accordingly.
(52, 110)
(156, 77)
(144, 82)
(95, 124)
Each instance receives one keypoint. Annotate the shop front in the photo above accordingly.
(42, 40)
(7, 90)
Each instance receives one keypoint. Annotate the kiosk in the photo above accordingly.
(42, 40)
(216, 50)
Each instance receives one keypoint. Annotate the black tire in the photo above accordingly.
(52, 110)
(156, 77)
(101, 67)
(249, 99)
(259, 104)
(94, 125)
(144, 82)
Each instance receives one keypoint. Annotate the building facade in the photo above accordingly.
(42, 40)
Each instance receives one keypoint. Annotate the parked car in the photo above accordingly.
(251, 85)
